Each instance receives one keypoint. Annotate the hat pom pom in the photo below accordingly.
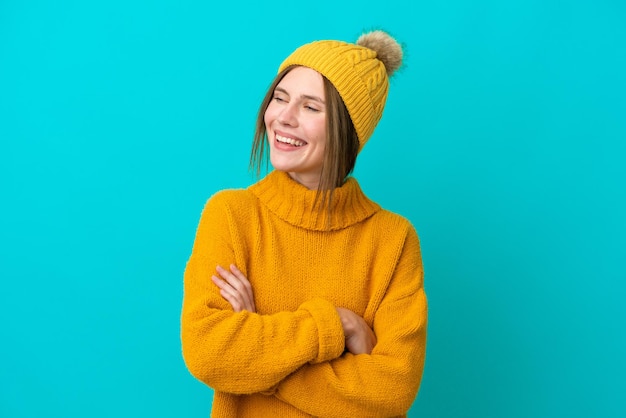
(388, 50)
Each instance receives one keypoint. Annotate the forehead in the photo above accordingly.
(303, 81)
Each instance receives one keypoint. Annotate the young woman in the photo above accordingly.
(302, 297)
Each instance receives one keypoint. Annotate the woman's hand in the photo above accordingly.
(360, 338)
(235, 288)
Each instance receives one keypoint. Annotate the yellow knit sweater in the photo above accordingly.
(288, 359)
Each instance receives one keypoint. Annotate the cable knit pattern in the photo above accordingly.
(358, 76)
(288, 359)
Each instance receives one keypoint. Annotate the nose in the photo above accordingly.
(288, 115)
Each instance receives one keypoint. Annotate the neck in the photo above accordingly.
(311, 182)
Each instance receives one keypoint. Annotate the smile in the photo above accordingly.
(290, 141)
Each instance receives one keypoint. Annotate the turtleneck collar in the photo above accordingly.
(293, 203)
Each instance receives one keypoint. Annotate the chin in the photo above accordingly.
(282, 165)
(286, 169)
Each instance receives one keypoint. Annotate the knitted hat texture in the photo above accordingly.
(360, 72)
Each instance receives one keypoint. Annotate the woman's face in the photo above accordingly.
(295, 121)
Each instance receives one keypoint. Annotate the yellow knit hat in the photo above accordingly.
(360, 72)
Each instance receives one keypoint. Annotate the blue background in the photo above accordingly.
(504, 142)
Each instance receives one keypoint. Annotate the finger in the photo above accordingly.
(243, 284)
(233, 301)
(222, 284)
(374, 339)
(239, 283)
(246, 284)
(229, 294)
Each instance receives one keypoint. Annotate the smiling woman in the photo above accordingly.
(303, 297)
(296, 126)
(341, 145)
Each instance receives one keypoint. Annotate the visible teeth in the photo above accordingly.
(285, 140)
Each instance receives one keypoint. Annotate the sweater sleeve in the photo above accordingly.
(245, 352)
(386, 382)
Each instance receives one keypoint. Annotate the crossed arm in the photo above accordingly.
(312, 369)
(394, 359)
(237, 291)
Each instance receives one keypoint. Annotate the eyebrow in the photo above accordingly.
(304, 96)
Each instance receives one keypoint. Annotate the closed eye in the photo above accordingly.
(278, 99)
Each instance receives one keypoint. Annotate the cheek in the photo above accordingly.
(270, 115)
(320, 148)
(320, 134)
